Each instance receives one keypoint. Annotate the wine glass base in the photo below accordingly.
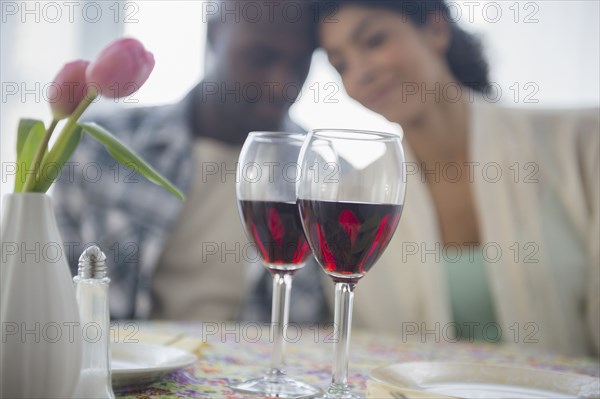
(278, 387)
(341, 392)
(347, 395)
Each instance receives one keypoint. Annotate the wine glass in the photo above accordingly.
(266, 192)
(350, 196)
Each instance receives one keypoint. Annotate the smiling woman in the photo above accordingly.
(399, 59)
(383, 61)
(520, 42)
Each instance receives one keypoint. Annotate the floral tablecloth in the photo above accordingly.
(236, 352)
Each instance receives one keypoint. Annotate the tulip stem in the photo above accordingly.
(61, 140)
(72, 120)
(39, 155)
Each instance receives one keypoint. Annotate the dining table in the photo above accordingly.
(230, 352)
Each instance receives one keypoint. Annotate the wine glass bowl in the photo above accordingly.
(350, 195)
(348, 237)
(276, 230)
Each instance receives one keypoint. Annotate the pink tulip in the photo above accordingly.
(121, 69)
(68, 89)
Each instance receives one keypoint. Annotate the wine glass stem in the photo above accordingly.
(282, 285)
(344, 296)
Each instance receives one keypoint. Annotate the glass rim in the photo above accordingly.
(377, 136)
(276, 134)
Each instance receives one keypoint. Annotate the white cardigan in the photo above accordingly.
(546, 200)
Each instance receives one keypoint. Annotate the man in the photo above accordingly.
(188, 260)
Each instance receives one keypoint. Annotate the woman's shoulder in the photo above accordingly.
(542, 122)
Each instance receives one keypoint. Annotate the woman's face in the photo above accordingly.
(387, 63)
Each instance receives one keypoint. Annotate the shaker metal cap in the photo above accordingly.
(92, 263)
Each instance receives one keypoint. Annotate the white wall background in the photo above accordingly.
(549, 49)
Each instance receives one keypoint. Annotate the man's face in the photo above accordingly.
(261, 66)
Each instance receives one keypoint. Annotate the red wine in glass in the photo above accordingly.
(276, 230)
(347, 238)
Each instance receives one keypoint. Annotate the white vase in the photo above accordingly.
(40, 349)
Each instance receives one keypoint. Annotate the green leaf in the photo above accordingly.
(128, 158)
(25, 126)
(29, 136)
(55, 160)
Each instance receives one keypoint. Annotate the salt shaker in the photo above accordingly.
(91, 289)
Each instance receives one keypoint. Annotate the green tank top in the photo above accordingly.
(470, 296)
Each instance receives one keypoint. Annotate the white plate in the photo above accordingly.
(471, 380)
(137, 365)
